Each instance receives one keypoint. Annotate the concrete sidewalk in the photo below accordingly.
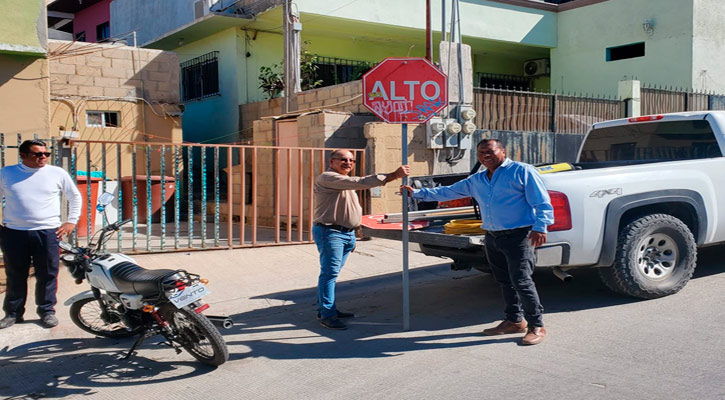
(601, 346)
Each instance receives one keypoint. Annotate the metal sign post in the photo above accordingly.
(406, 279)
(403, 91)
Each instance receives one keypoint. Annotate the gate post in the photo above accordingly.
(629, 92)
(62, 150)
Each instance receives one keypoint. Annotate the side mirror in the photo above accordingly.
(106, 199)
(65, 246)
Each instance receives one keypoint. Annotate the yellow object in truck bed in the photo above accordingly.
(547, 169)
(464, 227)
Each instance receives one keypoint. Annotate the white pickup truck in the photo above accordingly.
(643, 194)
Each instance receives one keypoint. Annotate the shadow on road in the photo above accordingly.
(66, 367)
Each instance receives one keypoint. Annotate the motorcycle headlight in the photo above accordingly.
(69, 260)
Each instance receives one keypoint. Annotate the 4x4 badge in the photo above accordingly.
(605, 192)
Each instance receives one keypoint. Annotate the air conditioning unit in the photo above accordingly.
(536, 67)
(202, 8)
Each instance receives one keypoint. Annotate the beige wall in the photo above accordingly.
(113, 78)
(24, 96)
(136, 119)
(90, 70)
(384, 153)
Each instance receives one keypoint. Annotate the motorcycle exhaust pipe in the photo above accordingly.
(563, 275)
(222, 322)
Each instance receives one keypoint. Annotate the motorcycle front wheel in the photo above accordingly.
(197, 335)
(86, 314)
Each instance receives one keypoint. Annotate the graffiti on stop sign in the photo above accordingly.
(408, 90)
(387, 102)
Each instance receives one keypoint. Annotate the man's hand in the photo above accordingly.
(65, 230)
(537, 238)
(406, 189)
(403, 170)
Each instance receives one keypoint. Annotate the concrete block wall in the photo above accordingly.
(384, 153)
(90, 70)
(345, 97)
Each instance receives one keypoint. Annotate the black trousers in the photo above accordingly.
(20, 248)
(512, 260)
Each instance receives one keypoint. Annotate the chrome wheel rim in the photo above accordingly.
(657, 256)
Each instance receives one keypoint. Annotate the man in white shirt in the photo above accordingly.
(32, 229)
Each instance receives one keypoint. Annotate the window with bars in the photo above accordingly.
(332, 71)
(200, 77)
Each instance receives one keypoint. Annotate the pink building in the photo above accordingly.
(90, 18)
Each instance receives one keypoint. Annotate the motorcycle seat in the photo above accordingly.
(130, 278)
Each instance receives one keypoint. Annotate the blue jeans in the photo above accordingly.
(512, 259)
(334, 247)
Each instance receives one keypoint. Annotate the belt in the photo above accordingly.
(508, 231)
(335, 227)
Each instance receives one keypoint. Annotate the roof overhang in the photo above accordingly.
(70, 6)
(198, 29)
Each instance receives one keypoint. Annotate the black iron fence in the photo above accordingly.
(659, 100)
(515, 110)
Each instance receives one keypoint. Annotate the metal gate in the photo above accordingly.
(183, 197)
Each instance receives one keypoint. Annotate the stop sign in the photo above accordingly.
(405, 90)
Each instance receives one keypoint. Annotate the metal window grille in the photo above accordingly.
(332, 71)
(501, 81)
(200, 77)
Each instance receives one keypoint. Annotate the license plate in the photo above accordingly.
(189, 295)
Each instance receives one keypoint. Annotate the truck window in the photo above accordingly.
(651, 141)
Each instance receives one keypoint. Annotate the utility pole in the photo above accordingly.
(286, 59)
(292, 48)
(428, 33)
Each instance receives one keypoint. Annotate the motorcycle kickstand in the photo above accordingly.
(137, 343)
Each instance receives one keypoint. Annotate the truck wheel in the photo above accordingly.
(656, 257)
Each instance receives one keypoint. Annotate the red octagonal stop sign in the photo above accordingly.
(405, 90)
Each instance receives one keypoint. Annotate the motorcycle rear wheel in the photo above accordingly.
(86, 314)
(198, 335)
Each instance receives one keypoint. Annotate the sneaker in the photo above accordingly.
(506, 327)
(48, 320)
(333, 323)
(340, 314)
(9, 321)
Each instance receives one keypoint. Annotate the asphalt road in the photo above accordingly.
(600, 345)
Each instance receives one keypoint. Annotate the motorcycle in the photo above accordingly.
(127, 300)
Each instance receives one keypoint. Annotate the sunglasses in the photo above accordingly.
(349, 160)
(39, 154)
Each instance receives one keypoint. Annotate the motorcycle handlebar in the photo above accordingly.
(117, 225)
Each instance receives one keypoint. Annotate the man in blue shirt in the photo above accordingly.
(515, 211)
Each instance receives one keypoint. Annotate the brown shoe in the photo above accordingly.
(507, 327)
(535, 335)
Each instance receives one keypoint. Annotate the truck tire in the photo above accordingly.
(656, 257)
